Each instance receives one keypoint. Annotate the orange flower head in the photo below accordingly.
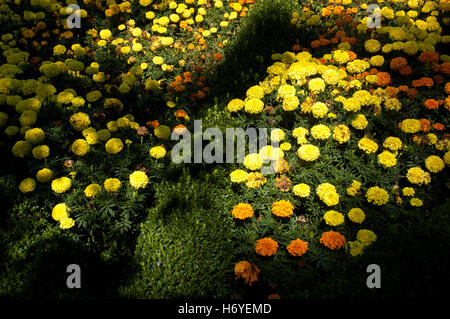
(333, 240)
(297, 247)
(266, 247)
(242, 211)
(283, 208)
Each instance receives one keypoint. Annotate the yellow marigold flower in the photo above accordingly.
(277, 135)
(368, 145)
(255, 180)
(290, 103)
(138, 179)
(392, 143)
(270, 153)
(320, 132)
(341, 133)
(242, 211)
(333, 240)
(103, 135)
(372, 46)
(105, 34)
(92, 190)
(158, 60)
(319, 109)
(377, 196)
(34, 135)
(418, 176)
(238, 176)
(301, 190)
(286, 146)
(308, 152)
(354, 188)
(297, 247)
(254, 106)
(27, 185)
(328, 194)
(62, 184)
(447, 158)
(79, 121)
(157, 152)
(316, 85)
(434, 164)
(283, 208)
(387, 159)
(235, 105)
(44, 175)
(351, 104)
(66, 223)
(93, 96)
(333, 218)
(21, 149)
(41, 152)
(356, 215)
(163, 132)
(416, 202)
(60, 211)
(112, 185)
(266, 247)
(255, 92)
(410, 126)
(408, 191)
(366, 237)
(360, 122)
(253, 162)
(80, 147)
(354, 248)
(341, 56)
(114, 145)
(247, 271)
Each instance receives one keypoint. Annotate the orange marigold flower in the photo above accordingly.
(412, 93)
(180, 129)
(392, 91)
(398, 63)
(153, 124)
(447, 88)
(266, 247)
(406, 70)
(425, 125)
(428, 57)
(242, 211)
(447, 103)
(180, 113)
(439, 126)
(297, 247)
(431, 104)
(247, 271)
(383, 79)
(333, 240)
(218, 56)
(282, 208)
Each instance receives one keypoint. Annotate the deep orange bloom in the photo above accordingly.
(431, 104)
(333, 240)
(439, 126)
(383, 79)
(428, 57)
(266, 247)
(398, 63)
(424, 125)
(297, 247)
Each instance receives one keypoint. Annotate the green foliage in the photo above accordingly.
(185, 248)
